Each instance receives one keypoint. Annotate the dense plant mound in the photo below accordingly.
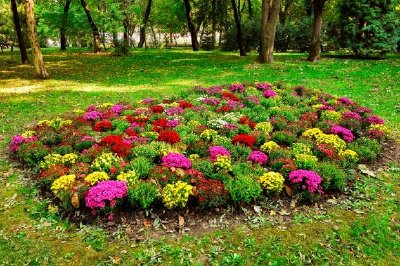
(210, 147)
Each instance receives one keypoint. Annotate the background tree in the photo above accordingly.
(192, 29)
(270, 13)
(239, 34)
(95, 30)
(63, 38)
(144, 24)
(37, 53)
(318, 9)
(17, 25)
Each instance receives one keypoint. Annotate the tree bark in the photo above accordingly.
(213, 22)
(192, 29)
(37, 53)
(284, 12)
(239, 35)
(250, 7)
(270, 13)
(143, 27)
(63, 38)
(21, 42)
(318, 7)
(95, 30)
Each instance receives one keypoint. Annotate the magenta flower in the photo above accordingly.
(258, 157)
(234, 104)
(17, 140)
(253, 99)
(269, 94)
(374, 119)
(309, 180)
(92, 115)
(88, 138)
(91, 108)
(346, 134)
(174, 111)
(230, 126)
(117, 109)
(148, 101)
(176, 160)
(218, 151)
(212, 101)
(264, 86)
(173, 123)
(326, 107)
(106, 192)
(363, 110)
(237, 88)
(351, 115)
(345, 100)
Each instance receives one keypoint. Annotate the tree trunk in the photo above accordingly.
(63, 39)
(250, 7)
(37, 53)
(95, 30)
(315, 46)
(192, 29)
(239, 35)
(143, 27)
(270, 13)
(213, 22)
(21, 42)
(284, 11)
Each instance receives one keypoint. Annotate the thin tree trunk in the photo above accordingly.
(284, 12)
(192, 30)
(143, 27)
(63, 38)
(315, 46)
(95, 30)
(37, 53)
(21, 42)
(250, 9)
(239, 35)
(270, 13)
(213, 22)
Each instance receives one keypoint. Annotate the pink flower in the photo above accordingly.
(345, 100)
(346, 134)
(237, 88)
(176, 160)
(269, 94)
(351, 115)
(17, 140)
(174, 111)
(374, 119)
(309, 180)
(258, 157)
(264, 86)
(218, 151)
(106, 192)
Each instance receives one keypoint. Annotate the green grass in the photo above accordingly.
(362, 230)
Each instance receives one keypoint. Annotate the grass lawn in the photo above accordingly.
(364, 229)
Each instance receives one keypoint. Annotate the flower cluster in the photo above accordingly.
(269, 146)
(105, 162)
(63, 184)
(176, 160)
(237, 88)
(258, 157)
(265, 127)
(55, 158)
(272, 182)
(218, 151)
(309, 180)
(169, 136)
(345, 133)
(176, 194)
(130, 177)
(223, 163)
(105, 194)
(244, 139)
(96, 177)
(269, 94)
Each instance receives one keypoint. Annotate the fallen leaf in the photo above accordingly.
(181, 221)
(288, 190)
(257, 209)
(147, 223)
(365, 170)
(75, 200)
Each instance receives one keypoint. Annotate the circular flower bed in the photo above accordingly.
(218, 146)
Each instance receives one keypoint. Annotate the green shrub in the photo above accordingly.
(283, 137)
(367, 149)
(332, 176)
(141, 165)
(65, 149)
(144, 194)
(32, 153)
(243, 189)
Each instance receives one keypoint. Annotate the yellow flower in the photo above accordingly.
(269, 146)
(349, 155)
(96, 177)
(331, 115)
(272, 181)
(62, 184)
(106, 105)
(223, 162)
(28, 134)
(194, 157)
(265, 127)
(380, 127)
(129, 177)
(322, 138)
(176, 194)
(209, 134)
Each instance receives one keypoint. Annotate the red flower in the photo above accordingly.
(102, 126)
(160, 124)
(230, 95)
(210, 191)
(115, 142)
(223, 109)
(169, 137)
(185, 104)
(244, 139)
(131, 132)
(245, 120)
(158, 109)
(131, 119)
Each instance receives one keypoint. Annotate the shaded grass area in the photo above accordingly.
(362, 230)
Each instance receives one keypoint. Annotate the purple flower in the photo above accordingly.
(211, 90)
(351, 115)
(218, 151)
(258, 157)
(345, 100)
(269, 94)
(230, 126)
(174, 111)
(237, 88)
(253, 99)
(148, 101)
(173, 123)
(326, 107)
(91, 108)
(374, 119)
(310, 180)
(117, 109)
(363, 110)
(264, 86)
(88, 138)
(92, 115)
(346, 134)
(212, 101)
(17, 140)
(176, 160)
(234, 104)
(106, 191)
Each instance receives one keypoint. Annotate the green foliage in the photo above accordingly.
(332, 176)
(294, 35)
(141, 165)
(243, 189)
(144, 194)
(369, 27)
(367, 149)
(32, 153)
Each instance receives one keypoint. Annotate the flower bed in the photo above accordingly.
(218, 146)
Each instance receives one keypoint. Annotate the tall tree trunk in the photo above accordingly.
(143, 27)
(239, 35)
(21, 42)
(250, 7)
(63, 38)
(37, 53)
(213, 22)
(270, 13)
(95, 30)
(318, 6)
(192, 29)
(284, 11)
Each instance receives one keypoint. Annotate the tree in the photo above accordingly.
(239, 34)
(63, 39)
(369, 27)
(17, 25)
(318, 9)
(192, 29)
(95, 30)
(37, 53)
(270, 13)
(143, 26)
